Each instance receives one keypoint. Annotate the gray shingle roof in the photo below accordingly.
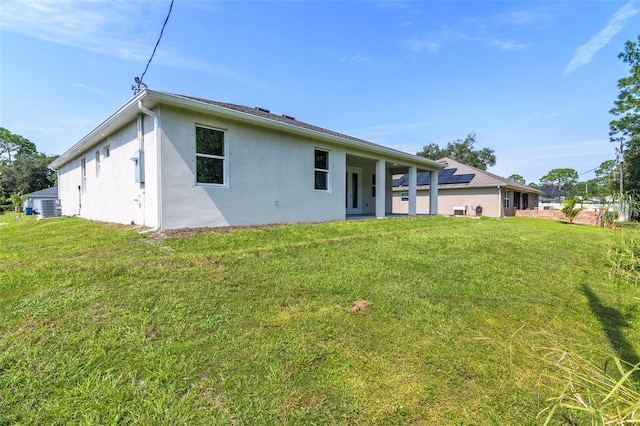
(283, 118)
(481, 178)
(45, 193)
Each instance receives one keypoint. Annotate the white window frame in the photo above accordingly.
(223, 157)
(506, 199)
(326, 171)
(83, 173)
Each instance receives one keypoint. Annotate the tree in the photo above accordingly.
(22, 168)
(517, 178)
(608, 177)
(565, 179)
(570, 210)
(17, 201)
(462, 151)
(12, 145)
(625, 128)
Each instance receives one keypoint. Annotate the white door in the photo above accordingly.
(353, 199)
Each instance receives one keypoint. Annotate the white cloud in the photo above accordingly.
(584, 54)
(116, 28)
(89, 88)
(435, 43)
(421, 44)
(508, 46)
(357, 58)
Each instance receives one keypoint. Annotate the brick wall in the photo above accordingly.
(585, 217)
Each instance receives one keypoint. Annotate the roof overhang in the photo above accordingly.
(483, 186)
(152, 99)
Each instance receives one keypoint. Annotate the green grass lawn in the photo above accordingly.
(100, 325)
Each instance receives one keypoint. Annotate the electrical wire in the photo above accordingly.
(139, 82)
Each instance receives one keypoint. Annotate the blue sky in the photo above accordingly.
(534, 80)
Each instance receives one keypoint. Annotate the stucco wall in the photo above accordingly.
(491, 200)
(270, 176)
(487, 198)
(112, 194)
(585, 217)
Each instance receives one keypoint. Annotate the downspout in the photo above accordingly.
(156, 132)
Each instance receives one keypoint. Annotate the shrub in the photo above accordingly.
(570, 210)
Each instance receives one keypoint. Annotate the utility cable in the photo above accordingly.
(139, 81)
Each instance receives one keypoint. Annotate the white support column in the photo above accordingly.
(381, 190)
(413, 190)
(433, 193)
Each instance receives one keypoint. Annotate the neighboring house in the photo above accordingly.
(552, 195)
(171, 161)
(43, 202)
(467, 191)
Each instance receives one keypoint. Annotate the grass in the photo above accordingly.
(103, 326)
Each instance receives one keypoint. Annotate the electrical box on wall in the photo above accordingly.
(139, 165)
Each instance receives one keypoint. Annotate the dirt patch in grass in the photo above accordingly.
(185, 232)
(358, 306)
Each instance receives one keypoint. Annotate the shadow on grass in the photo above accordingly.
(612, 322)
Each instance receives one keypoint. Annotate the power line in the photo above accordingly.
(137, 87)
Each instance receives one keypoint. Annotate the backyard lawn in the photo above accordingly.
(428, 320)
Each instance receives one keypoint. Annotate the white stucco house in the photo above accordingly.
(169, 161)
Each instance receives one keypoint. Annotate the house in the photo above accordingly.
(168, 161)
(552, 197)
(43, 202)
(467, 191)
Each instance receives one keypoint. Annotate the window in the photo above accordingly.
(321, 170)
(373, 185)
(97, 163)
(107, 151)
(210, 156)
(404, 196)
(506, 199)
(83, 168)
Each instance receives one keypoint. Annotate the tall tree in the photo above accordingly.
(517, 178)
(12, 145)
(608, 177)
(625, 128)
(461, 150)
(22, 168)
(565, 179)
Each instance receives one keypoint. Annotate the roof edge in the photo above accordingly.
(181, 100)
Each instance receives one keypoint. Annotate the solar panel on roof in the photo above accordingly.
(466, 178)
(401, 181)
(424, 178)
(446, 172)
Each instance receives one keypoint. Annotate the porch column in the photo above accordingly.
(433, 192)
(413, 190)
(381, 190)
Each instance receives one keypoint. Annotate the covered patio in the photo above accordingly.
(369, 185)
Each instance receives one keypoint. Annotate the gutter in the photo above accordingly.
(156, 132)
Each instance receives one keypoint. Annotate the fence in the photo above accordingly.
(585, 217)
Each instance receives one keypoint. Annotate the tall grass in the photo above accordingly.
(624, 257)
(604, 395)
